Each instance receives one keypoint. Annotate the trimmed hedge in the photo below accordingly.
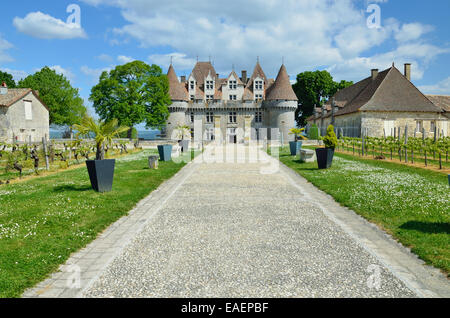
(313, 133)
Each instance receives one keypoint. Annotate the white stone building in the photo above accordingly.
(23, 116)
(382, 103)
(231, 106)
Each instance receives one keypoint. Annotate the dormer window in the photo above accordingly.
(210, 85)
(259, 85)
(232, 84)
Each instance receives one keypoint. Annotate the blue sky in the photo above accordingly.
(321, 34)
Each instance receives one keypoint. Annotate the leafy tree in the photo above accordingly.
(64, 102)
(133, 93)
(312, 89)
(340, 85)
(8, 79)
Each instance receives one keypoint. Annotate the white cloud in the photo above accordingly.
(60, 70)
(309, 34)
(412, 31)
(105, 58)
(180, 60)
(4, 46)
(17, 74)
(125, 59)
(94, 73)
(44, 26)
(442, 87)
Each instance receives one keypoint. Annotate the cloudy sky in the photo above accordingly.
(309, 34)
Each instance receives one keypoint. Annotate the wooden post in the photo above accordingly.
(395, 133)
(44, 143)
(435, 133)
(398, 133)
(70, 146)
(362, 144)
(423, 134)
(406, 143)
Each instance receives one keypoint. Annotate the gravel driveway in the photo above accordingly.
(230, 231)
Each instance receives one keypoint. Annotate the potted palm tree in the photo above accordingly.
(325, 155)
(184, 135)
(101, 170)
(296, 146)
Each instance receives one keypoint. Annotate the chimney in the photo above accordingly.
(408, 71)
(183, 79)
(217, 75)
(244, 77)
(374, 73)
(4, 89)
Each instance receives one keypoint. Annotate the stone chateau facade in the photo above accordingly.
(232, 109)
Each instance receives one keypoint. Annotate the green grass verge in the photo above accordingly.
(410, 203)
(44, 220)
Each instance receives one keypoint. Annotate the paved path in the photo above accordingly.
(228, 230)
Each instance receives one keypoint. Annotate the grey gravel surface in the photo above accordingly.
(230, 231)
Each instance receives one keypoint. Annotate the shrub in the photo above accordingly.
(313, 132)
(330, 140)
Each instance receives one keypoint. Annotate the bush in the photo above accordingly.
(330, 140)
(313, 132)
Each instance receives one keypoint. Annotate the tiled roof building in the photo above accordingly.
(383, 102)
(23, 115)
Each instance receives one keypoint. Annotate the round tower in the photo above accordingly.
(281, 103)
(179, 106)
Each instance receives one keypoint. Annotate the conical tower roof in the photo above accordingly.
(177, 91)
(282, 89)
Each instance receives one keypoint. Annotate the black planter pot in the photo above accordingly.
(101, 174)
(324, 157)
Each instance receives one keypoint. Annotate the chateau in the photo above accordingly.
(236, 108)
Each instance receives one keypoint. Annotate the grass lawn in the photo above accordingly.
(44, 220)
(412, 204)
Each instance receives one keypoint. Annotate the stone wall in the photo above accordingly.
(378, 122)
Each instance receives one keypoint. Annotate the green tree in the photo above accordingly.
(8, 79)
(312, 89)
(133, 93)
(340, 85)
(64, 102)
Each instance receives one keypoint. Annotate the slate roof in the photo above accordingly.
(282, 88)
